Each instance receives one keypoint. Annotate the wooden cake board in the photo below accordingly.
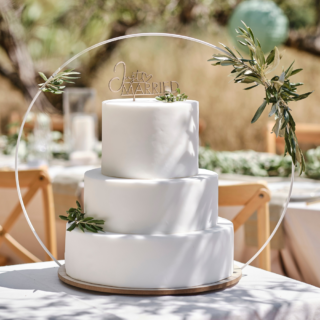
(219, 285)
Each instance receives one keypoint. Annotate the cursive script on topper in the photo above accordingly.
(139, 84)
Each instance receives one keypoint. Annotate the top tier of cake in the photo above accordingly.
(149, 139)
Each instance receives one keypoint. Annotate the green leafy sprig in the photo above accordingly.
(279, 89)
(76, 219)
(169, 97)
(55, 84)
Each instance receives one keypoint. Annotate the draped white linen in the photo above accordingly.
(33, 291)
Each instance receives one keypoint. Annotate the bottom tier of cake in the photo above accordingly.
(151, 261)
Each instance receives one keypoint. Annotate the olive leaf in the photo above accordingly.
(276, 127)
(274, 109)
(251, 87)
(289, 70)
(295, 71)
(259, 111)
(42, 75)
(270, 57)
(260, 57)
(275, 61)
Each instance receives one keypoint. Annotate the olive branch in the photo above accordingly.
(169, 97)
(76, 219)
(279, 90)
(55, 83)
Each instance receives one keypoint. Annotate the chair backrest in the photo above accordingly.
(254, 197)
(307, 133)
(32, 180)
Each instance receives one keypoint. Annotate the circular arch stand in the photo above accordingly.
(62, 274)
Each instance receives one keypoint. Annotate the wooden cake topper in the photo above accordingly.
(139, 84)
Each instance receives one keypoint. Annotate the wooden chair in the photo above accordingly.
(254, 197)
(33, 180)
(307, 133)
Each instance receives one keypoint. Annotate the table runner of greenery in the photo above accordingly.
(254, 163)
(248, 162)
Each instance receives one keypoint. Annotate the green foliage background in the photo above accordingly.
(56, 30)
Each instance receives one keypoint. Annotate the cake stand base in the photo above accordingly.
(219, 285)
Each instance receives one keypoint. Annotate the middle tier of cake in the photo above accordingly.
(160, 206)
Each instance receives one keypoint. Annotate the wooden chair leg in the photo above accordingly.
(15, 214)
(21, 251)
(49, 220)
(33, 180)
(263, 225)
(3, 261)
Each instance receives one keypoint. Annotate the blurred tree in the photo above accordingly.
(308, 39)
(301, 13)
(268, 21)
(47, 33)
(20, 71)
(186, 10)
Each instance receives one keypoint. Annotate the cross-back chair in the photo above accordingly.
(253, 197)
(32, 180)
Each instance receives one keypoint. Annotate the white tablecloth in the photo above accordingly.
(33, 291)
(301, 255)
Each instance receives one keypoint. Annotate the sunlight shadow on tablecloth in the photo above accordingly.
(259, 295)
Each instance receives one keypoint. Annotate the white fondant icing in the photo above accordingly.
(149, 139)
(152, 206)
(151, 261)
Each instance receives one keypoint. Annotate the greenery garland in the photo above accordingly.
(279, 90)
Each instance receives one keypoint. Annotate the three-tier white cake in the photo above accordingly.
(161, 212)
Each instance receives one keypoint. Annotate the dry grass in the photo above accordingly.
(226, 108)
